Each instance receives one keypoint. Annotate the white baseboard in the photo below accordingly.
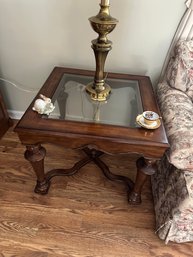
(15, 115)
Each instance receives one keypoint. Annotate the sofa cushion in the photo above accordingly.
(177, 113)
(179, 74)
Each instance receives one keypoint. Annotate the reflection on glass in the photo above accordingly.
(73, 103)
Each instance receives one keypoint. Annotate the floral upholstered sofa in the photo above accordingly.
(172, 184)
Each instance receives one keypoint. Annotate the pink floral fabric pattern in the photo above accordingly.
(177, 114)
(173, 202)
(179, 72)
(172, 184)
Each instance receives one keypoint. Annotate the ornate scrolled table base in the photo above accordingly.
(35, 154)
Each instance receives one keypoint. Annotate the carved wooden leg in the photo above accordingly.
(145, 168)
(35, 154)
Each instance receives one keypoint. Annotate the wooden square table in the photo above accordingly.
(98, 128)
(5, 121)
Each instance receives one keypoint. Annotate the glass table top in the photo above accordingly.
(73, 103)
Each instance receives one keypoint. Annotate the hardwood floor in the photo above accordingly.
(82, 216)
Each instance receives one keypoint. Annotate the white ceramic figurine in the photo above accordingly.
(43, 105)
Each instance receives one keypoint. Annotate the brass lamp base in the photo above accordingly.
(103, 23)
(101, 95)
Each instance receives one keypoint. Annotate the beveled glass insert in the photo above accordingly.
(73, 103)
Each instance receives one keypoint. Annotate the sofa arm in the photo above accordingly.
(177, 113)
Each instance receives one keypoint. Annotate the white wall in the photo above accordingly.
(36, 35)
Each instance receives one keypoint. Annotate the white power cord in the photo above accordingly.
(18, 87)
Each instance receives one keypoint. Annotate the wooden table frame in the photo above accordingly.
(94, 139)
(5, 121)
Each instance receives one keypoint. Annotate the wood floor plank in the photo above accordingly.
(82, 216)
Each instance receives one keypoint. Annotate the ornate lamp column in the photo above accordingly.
(103, 24)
